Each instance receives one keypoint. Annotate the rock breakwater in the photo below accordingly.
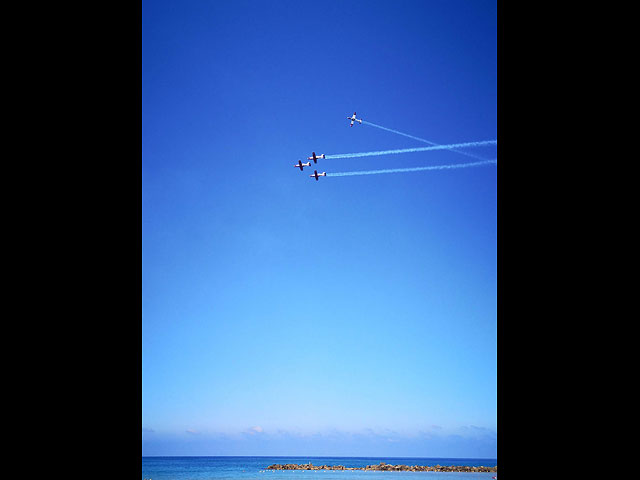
(382, 466)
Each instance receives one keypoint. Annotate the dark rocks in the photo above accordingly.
(382, 466)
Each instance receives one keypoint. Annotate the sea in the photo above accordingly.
(216, 468)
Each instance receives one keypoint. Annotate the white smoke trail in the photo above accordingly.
(419, 139)
(409, 150)
(399, 133)
(416, 169)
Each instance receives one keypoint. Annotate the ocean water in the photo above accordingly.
(203, 468)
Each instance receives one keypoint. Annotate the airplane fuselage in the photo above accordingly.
(314, 157)
(354, 119)
(300, 165)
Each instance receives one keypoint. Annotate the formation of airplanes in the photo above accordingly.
(315, 157)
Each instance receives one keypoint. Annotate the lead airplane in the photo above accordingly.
(316, 174)
(314, 158)
(301, 165)
(354, 119)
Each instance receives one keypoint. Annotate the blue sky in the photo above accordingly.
(349, 316)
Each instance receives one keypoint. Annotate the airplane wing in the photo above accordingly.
(351, 123)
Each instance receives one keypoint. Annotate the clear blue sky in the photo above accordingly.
(348, 316)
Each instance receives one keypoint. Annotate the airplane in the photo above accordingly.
(314, 158)
(354, 119)
(316, 174)
(301, 165)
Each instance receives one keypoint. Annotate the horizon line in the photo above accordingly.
(322, 456)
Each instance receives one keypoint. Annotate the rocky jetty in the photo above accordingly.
(384, 467)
